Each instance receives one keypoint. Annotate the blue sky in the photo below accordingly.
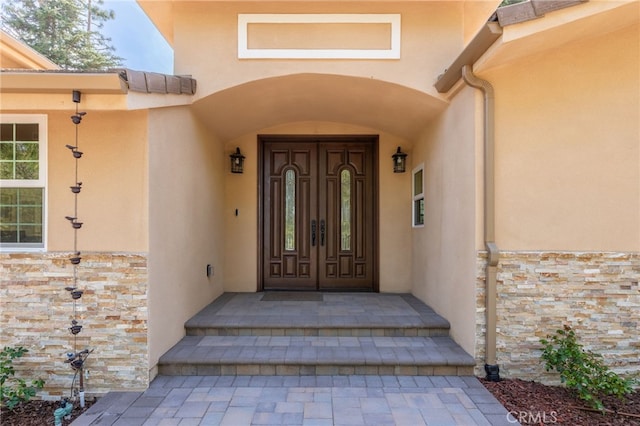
(136, 39)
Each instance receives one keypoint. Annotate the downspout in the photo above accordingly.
(493, 254)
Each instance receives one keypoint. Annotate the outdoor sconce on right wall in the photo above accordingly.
(399, 161)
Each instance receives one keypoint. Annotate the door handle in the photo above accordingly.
(322, 229)
(313, 232)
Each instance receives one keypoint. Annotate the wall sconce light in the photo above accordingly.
(237, 161)
(399, 161)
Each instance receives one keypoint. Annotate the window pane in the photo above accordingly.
(8, 233)
(6, 132)
(6, 170)
(417, 182)
(6, 151)
(290, 210)
(21, 215)
(345, 210)
(22, 209)
(418, 206)
(27, 170)
(31, 196)
(9, 196)
(27, 132)
(30, 215)
(27, 151)
(30, 234)
(9, 214)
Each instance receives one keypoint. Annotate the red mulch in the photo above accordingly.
(534, 403)
(38, 413)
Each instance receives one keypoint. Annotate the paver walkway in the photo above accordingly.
(309, 359)
(301, 400)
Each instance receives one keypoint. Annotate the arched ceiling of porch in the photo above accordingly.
(259, 104)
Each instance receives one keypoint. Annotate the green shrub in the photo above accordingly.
(14, 390)
(582, 370)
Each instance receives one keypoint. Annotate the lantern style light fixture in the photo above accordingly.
(237, 161)
(399, 161)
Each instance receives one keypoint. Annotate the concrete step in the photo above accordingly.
(320, 331)
(335, 315)
(316, 333)
(316, 355)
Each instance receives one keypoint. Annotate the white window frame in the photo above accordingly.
(41, 182)
(417, 197)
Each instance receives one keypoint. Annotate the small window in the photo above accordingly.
(290, 210)
(418, 196)
(345, 210)
(22, 181)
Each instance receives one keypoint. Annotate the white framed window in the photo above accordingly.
(23, 175)
(418, 196)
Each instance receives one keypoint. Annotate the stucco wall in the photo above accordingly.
(241, 192)
(443, 274)
(113, 201)
(205, 35)
(567, 152)
(186, 224)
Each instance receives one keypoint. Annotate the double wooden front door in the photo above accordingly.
(318, 213)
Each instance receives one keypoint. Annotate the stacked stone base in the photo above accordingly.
(538, 292)
(37, 312)
(597, 294)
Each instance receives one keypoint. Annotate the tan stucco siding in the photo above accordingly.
(567, 152)
(443, 272)
(186, 231)
(113, 172)
(206, 35)
(241, 192)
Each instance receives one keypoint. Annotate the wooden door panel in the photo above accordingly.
(275, 234)
(347, 205)
(334, 183)
(289, 260)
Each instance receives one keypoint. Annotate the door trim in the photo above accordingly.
(373, 139)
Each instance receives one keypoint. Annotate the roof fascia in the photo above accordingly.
(483, 46)
(30, 102)
(61, 82)
(23, 91)
(591, 19)
(573, 16)
(487, 35)
(23, 54)
(161, 14)
(137, 101)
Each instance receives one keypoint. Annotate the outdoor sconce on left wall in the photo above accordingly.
(237, 161)
(399, 161)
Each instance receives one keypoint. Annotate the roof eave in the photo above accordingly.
(62, 82)
(487, 35)
(24, 55)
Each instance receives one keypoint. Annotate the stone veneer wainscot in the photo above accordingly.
(596, 293)
(37, 311)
